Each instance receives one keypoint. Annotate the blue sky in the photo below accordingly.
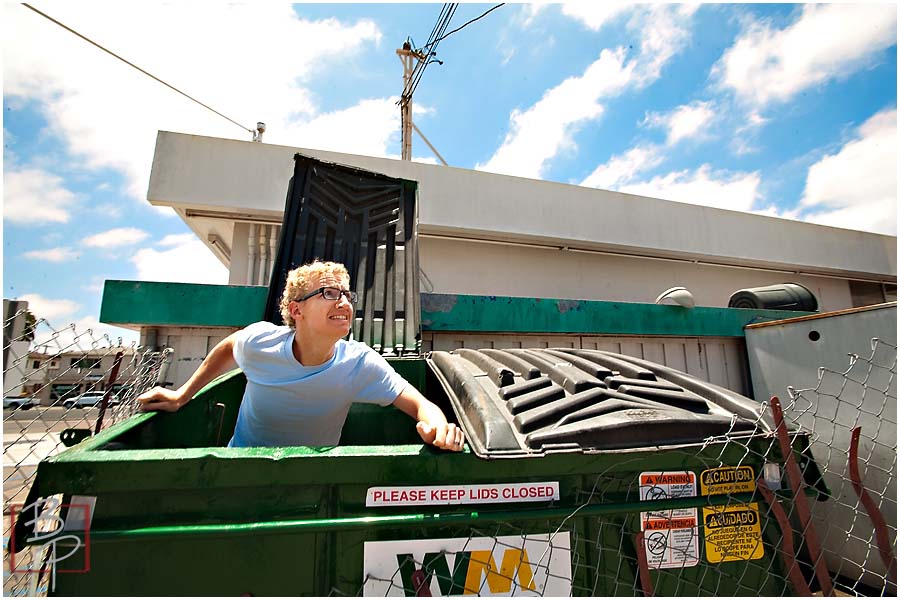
(784, 110)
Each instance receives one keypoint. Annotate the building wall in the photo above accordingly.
(53, 377)
(457, 267)
(241, 181)
(190, 345)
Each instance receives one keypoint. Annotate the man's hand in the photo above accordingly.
(160, 398)
(444, 435)
(431, 423)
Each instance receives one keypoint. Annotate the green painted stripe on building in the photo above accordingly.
(181, 304)
(447, 312)
(195, 305)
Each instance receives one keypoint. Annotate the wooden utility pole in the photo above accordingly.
(408, 57)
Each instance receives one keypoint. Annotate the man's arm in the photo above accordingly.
(431, 423)
(219, 360)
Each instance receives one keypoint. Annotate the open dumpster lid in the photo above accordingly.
(367, 221)
(522, 402)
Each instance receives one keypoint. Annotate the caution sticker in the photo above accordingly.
(671, 537)
(732, 533)
(727, 480)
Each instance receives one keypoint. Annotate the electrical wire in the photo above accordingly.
(438, 34)
(467, 23)
(90, 41)
(440, 26)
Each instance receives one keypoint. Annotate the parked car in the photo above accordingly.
(90, 399)
(17, 402)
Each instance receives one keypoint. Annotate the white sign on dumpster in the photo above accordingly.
(486, 493)
(529, 565)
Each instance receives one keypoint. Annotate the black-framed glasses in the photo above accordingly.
(331, 293)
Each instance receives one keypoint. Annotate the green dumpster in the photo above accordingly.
(174, 512)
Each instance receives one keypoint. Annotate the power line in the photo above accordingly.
(440, 26)
(467, 23)
(90, 41)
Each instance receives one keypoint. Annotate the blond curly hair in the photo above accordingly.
(300, 282)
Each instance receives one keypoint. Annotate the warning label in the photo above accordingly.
(672, 548)
(664, 486)
(727, 480)
(732, 533)
(671, 537)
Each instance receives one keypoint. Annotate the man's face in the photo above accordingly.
(330, 318)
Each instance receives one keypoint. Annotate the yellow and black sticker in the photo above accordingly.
(727, 480)
(732, 533)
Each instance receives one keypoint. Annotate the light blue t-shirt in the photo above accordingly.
(288, 404)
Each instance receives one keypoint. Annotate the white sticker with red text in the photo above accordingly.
(488, 493)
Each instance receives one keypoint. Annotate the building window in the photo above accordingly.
(85, 363)
(61, 391)
(35, 364)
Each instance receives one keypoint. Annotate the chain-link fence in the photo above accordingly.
(59, 386)
(742, 515)
(803, 505)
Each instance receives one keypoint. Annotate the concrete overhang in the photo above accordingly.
(213, 183)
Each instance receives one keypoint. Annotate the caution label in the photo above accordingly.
(732, 533)
(671, 537)
(727, 480)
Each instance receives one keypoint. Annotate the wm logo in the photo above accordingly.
(471, 571)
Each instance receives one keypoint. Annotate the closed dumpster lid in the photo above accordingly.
(528, 402)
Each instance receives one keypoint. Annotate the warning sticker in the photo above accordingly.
(727, 480)
(672, 548)
(732, 533)
(671, 537)
(663, 486)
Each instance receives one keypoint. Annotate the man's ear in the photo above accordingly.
(295, 309)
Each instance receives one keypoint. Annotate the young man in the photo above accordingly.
(302, 377)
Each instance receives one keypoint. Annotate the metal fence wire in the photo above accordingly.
(807, 507)
(59, 386)
(741, 515)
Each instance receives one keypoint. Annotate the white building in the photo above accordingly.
(483, 235)
(488, 234)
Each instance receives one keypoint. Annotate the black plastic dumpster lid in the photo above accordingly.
(522, 402)
(367, 221)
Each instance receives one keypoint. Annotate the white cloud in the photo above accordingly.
(733, 191)
(624, 168)
(540, 132)
(595, 15)
(60, 254)
(366, 128)
(742, 140)
(83, 333)
(857, 187)
(827, 41)
(177, 239)
(529, 12)
(35, 197)
(685, 121)
(186, 260)
(248, 61)
(113, 238)
(52, 310)
(664, 32)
